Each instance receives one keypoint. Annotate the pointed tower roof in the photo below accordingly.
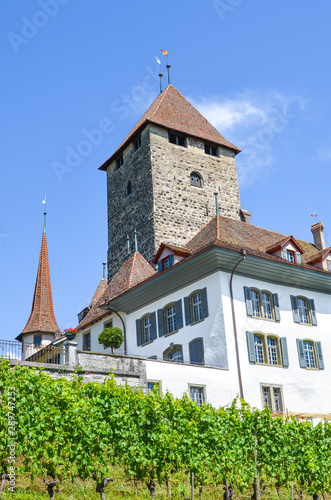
(42, 318)
(173, 111)
(133, 271)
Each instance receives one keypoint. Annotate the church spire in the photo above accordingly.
(42, 318)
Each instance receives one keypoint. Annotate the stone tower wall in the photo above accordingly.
(181, 209)
(163, 205)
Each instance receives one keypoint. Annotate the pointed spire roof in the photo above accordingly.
(132, 272)
(42, 318)
(173, 111)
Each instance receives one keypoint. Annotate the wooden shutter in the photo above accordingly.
(251, 347)
(319, 355)
(204, 303)
(160, 322)
(187, 310)
(298, 257)
(179, 314)
(138, 330)
(283, 344)
(295, 310)
(248, 299)
(153, 326)
(276, 306)
(159, 266)
(171, 259)
(301, 353)
(313, 312)
(196, 352)
(284, 253)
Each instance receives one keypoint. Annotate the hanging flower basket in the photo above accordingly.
(70, 333)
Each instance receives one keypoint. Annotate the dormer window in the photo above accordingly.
(178, 139)
(210, 149)
(165, 263)
(291, 256)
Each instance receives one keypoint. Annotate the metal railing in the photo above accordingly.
(21, 351)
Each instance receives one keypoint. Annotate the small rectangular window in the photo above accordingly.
(210, 149)
(179, 140)
(272, 397)
(197, 395)
(37, 340)
(119, 162)
(87, 342)
(137, 143)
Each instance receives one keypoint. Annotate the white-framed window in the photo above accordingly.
(291, 256)
(310, 354)
(197, 394)
(262, 304)
(146, 329)
(170, 318)
(303, 310)
(267, 349)
(272, 396)
(196, 306)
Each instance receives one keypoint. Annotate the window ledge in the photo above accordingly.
(171, 333)
(196, 322)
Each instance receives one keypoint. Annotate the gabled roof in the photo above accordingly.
(318, 256)
(280, 244)
(42, 318)
(173, 248)
(237, 235)
(133, 271)
(173, 111)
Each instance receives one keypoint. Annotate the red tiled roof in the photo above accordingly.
(317, 256)
(133, 271)
(279, 244)
(42, 318)
(173, 111)
(99, 292)
(232, 233)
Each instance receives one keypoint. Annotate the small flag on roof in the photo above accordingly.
(157, 60)
(314, 215)
(164, 52)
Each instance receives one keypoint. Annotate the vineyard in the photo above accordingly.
(56, 431)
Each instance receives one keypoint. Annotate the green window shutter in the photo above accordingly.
(276, 306)
(159, 266)
(153, 326)
(313, 311)
(138, 330)
(248, 299)
(179, 314)
(284, 253)
(171, 259)
(160, 322)
(283, 345)
(187, 310)
(298, 257)
(301, 353)
(294, 303)
(251, 347)
(204, 303)
(319, 355)
(196, 352)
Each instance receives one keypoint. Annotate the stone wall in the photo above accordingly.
(163, 205)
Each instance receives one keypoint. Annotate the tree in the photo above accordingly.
(111, 337)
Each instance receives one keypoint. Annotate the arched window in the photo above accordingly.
(196, 179)
(128, 189)
(174, 353)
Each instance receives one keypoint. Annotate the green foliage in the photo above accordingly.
(111, 337)
(67, 429)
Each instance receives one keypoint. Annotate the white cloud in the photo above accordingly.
(251, 120)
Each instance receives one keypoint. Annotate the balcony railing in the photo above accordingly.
(21, 351)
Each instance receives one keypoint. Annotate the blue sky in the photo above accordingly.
(259, 71)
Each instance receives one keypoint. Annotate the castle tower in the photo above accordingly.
(160, 179)
(41, 327)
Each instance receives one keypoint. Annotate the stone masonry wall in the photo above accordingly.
(163, 205)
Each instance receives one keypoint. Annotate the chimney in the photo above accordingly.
(318, 233)
(245, 216)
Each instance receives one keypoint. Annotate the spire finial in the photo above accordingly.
(44, 203)
(104, 270)
(165, 53)
(128, 245)
(135, 241)
(161, 87)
